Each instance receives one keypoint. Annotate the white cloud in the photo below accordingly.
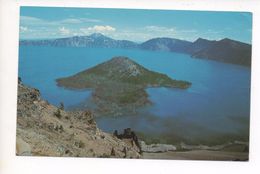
(137, 36)
(76, 34)
(101, 28)
(187, 31)
(72, 26)
(168, 30)
(98, 29)
(64, 31)
(211, 31)
(84, 31)
(29, 19)
(173, 32)
(160, 29)
(33, 21)
(78, 21)
(70, 21)
(90, 20)
(23, 29)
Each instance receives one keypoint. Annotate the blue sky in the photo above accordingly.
(135, 25)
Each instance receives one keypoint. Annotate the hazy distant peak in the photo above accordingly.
(234, 43)
(226, 39)
(96, 35)
(201, 40)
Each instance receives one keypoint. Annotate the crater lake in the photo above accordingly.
(214, 110)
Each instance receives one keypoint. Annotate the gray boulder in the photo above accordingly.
(22, 148)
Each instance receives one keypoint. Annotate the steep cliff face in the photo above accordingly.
(226, 50)
(198, 45)
(166, 44)
(45, 130)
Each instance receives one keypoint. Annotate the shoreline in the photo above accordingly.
(198, 155)
(186, 147)
(236, 151)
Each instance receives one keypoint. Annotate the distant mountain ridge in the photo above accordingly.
(93, 40)
(166, 44)
(225, 50)
(199, 45)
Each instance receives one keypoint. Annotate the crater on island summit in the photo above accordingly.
(119, 85)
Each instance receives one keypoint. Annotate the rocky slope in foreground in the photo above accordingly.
(45, 130)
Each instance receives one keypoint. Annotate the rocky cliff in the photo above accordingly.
(166, 44)
(226, 50)
(45, 130)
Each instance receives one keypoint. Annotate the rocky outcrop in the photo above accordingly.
(156, 148)
(22, 148)
(46, 130)
(130, 135)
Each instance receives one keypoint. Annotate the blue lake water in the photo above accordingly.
(215, 107)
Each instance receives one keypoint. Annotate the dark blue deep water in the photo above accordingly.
(214, 110)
